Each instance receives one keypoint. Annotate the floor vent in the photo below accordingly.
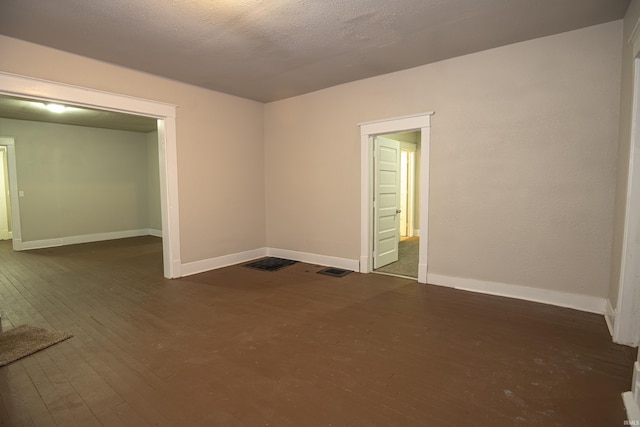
(270, 264)
(334, 272)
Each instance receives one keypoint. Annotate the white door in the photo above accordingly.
(4, 213)
(386, 203)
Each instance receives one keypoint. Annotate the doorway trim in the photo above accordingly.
(44, 90)
(626, 329)
(9, 143)
(411, 149)
(5, 214)
(368, 130)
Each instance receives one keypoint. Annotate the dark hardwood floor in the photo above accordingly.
(242, 347)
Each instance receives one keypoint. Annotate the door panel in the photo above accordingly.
(387, 198)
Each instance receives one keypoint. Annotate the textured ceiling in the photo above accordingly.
(272, 49)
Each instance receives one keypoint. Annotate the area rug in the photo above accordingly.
(24, 340)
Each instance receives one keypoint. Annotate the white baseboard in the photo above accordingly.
(201, 266)
(562, 299)
(20, 245)
(327, 261)
(364, 264)
(155, 232)
(222, 261)
(610, 316)
(422, 273)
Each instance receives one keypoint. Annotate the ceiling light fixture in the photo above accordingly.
(56, 108)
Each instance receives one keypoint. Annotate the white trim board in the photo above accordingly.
(626, 328)
(85, 238)
(632, 409)
(324, 260)
(204, 265)
(16, 228)
(610, 316)
(44, 90)
(586, 303)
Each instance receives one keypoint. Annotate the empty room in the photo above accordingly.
(411, 213)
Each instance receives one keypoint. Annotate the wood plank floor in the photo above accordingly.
(240, 347)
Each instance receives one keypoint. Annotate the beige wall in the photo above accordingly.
(629, 52)
(219, 145)
(522, 168)
(78, 180)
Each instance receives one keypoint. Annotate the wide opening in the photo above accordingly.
(85, 175)
(160, 146)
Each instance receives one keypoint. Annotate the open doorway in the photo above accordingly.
(379, 216)
(85, 175)
(164, 114)
(5, 204)
(406, 212)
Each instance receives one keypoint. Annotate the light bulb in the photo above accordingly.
(56, 108)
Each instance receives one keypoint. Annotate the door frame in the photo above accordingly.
(626, 323)
(368, 130)
(4, 185)
(48, 91)
(16, 229)
(411, 150)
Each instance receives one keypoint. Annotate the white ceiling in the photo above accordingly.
(273, 49)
